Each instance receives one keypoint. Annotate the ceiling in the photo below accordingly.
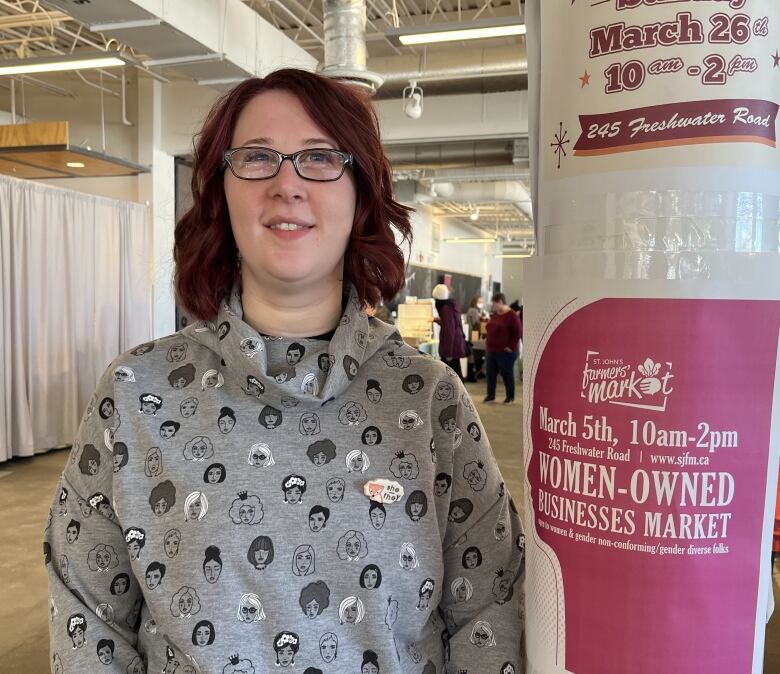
(35, 28)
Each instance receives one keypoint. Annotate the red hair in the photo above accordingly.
(205, 251)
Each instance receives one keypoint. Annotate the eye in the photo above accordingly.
(325, 157)
(255, 156)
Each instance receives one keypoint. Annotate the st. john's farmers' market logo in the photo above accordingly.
(645, 385)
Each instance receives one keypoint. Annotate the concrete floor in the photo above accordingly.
(26, 488)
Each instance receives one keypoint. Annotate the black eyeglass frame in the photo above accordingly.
(346, 160)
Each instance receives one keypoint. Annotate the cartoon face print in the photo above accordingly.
(155, 572)
(260, 455)
(351, 611)
(226, 420)
(370, 577)
(212, 564)
(182, 377)
(407, 558)
(321, 452)
(120, 584)
(261, 552)
(352, 546)
(105, 651)
(318, 518)
(447, 418)
(335, 489)
(254, 387)
(101, 503)
(77, 629)
(352, 413)
(482, 635)
(329, 646)
(214, 474)
(199, 448)
(474, 431)
(185, 602)
(405, 466)
(203, 634)
(416, 505)
(102, 558)
(502, 586)
(357, 461)
(150, 403)
(303, 562)
(293, 487)
(196, 506)
(84, 507)
(222, 330)
(89, 462)
(444, 391)
(310, 385)
(162, 498)
(246, 509)
(168, 429)
(153, 465)
(371, 436)
(425, 593)
(105, 612)
(472, 558)
(394, 360)
(289, 402)
(409, 420)
(136, 666)
(413, 384)
(286, 645)
(507, 668)
(324, 362)
(294, 353)
(351, 367)
(106, 408)
(120, 456)
(249, 346)
(270, 417)
(250, 609)
(500, 530)
(377, 514)
(188, 407)
(460, 510)
(136, 540)
(309, 424)
(282, 374)
(72, 531)
(442, 484)
(314, 599)
(475, 475)
(373, 391)
(461, 589)
(177, 352)
(171, 542)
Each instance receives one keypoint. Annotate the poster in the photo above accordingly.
(651, 384)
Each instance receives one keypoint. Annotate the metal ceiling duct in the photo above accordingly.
(345, 43)
(498, 191)
(434, 155)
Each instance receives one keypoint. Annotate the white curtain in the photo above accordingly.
(75, 291)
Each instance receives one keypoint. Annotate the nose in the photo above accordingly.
(287, 185)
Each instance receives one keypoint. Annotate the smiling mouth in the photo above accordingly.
(289, 226)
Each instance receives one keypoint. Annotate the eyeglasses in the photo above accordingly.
(262, 163)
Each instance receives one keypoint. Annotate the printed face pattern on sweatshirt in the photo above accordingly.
(235, 464)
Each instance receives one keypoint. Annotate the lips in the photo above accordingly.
(288, 224)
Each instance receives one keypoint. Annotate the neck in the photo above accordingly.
(291, 311)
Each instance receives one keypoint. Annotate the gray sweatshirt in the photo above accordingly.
(239, 504)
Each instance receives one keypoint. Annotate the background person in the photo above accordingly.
(452, 343)
(503, 348)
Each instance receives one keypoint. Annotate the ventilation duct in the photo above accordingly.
(481, 192)
(345, 43)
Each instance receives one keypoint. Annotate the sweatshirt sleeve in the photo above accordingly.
(484, 561)
(94, 599)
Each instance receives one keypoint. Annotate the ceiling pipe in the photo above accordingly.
(344, 24)
(479, 192)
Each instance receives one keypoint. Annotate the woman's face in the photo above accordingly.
(407, 560)
(257, 459)
(351, 613)
(104, 655)
(178, 352)
(246, 513)
(153, 579)
(226, 424)
(328, 650)
(316, 521)
(314, 252)
(461, 594)
(271, 420)
(202, 635)
(71, 534)
(357, 462)
(449, 425)
(167, 432)
(148, 408)
(377, 518)
(194, 509)
(414, 386)
(198, 449)
(181, 382)
(120, 586)
(107, 409)
(369, 668)
(161, 507)
(309, 425)
(293, 494)
(213, 475)
(457, 514)
(303, 561)
(171, 546)
(211, 570)
(319, 459)
(353, 547)
(188, 408)
(407, 423)
(92, 466)
(211, 381)
(352, 415)
(185, 604)
(154, 463)
(248, 613)
(471, 560)
(285, 655)
(481, 637)
(103, 559)
(416, 509)
(474, 431)
(369, 578)
(133, 548)
(440, 487)
(374, 395)
(335, 491)
(78, 637)
(371, 437)
(117, 461)
(312, 609)
(261, 555)
(405, 468)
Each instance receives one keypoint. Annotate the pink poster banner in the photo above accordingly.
(648, 471)
(688, 123)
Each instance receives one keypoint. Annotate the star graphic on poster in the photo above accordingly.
(560, 141)
(585, 79)
(776, 59)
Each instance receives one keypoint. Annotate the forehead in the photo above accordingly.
(279, 120)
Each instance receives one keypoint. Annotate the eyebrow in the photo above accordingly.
(307, 142)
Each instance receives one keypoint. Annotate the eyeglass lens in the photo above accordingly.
(314, 164)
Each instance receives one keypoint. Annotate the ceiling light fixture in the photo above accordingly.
(47, 65)
(474, 216)
(75, 164)
(481, 239)
(447, 32)
(514, 256)
(413, 100)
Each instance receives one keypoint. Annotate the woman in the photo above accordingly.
(503, 348)
(282, 253)
(452, 343)
(475, 316)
